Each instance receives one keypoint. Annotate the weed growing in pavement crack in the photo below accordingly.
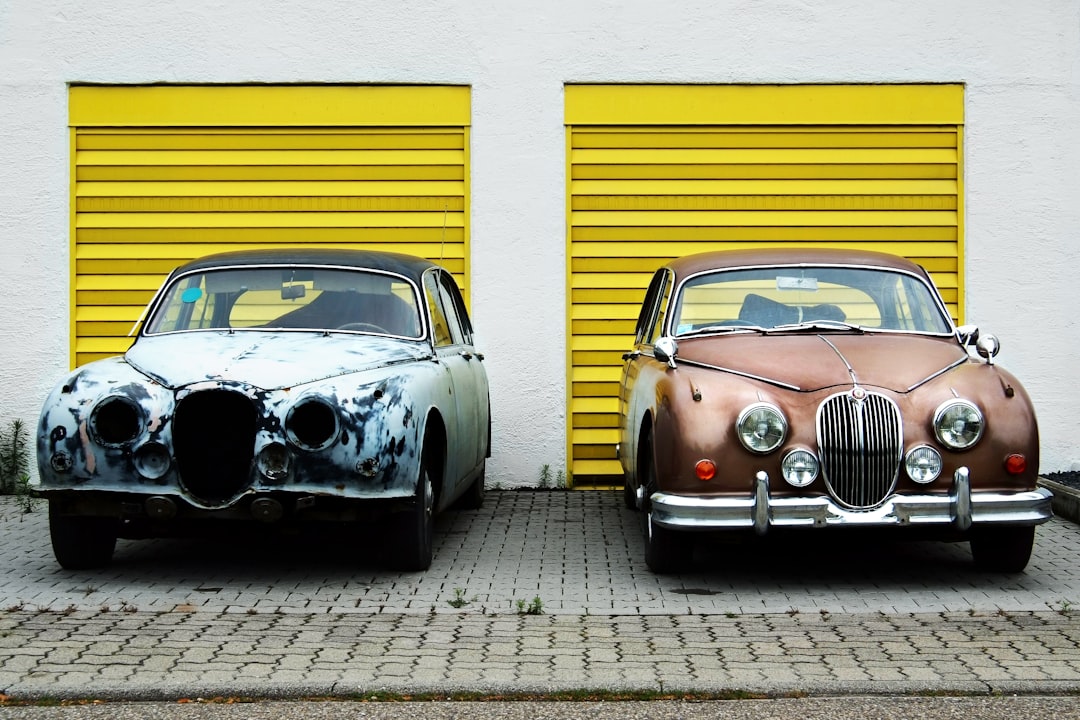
(536, 607)
(459, 600)
(1064, 607)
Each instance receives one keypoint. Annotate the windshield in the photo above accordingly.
(764, 298)
(288, 298)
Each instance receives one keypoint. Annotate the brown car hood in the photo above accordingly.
(816, 361)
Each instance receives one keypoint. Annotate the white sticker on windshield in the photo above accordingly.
(784, 282)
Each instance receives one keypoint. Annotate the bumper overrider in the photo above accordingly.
(960, 509)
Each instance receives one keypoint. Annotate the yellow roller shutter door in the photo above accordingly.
(655, 172)
(162, 175)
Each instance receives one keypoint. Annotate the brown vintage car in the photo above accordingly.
(773, 389)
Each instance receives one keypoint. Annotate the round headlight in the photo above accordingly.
(800, 468)
(312, 424)
(923, 464)
(152, 460)
(115, 420)
(958, 424)
(761, 427)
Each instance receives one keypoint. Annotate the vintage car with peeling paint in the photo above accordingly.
(809, 388)
(276, 387)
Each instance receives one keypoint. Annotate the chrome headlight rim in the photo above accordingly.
(106, 437)
(912, 458)
(947, 436)
(774, 438)
(299, 423)
(790, 473)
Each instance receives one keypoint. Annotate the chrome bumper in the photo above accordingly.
(961, 508)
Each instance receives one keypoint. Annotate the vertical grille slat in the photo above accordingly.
(860, 440)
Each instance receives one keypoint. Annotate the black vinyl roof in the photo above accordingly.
(408, 266)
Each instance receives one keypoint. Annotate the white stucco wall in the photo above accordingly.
(1020, 62)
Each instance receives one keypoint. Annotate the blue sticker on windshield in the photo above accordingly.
(191, 295)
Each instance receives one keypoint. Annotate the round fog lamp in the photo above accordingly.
(923, 464)
(705, 469)
(152, 460)
(273, 462)
(800, 468)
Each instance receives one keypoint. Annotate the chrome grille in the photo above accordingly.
(860, 440)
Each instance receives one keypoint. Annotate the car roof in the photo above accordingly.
(408, 266)
(727, 259)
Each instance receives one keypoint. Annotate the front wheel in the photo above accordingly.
(666, 551)
(414, 528)
(81, 542)
(1006, 548)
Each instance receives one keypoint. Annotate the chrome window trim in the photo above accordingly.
(152, 307)
(938, 302)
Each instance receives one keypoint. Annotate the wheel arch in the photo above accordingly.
(433, 451)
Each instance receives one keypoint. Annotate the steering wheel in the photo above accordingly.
(736, 323)
(369, 327)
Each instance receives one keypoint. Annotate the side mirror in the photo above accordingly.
(665, 350)
(988, 347)
(968, 334)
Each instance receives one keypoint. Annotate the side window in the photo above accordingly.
(661, 311)
(649, 307)
(440, 324)
(460, 328)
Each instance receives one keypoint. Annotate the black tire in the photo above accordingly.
(628, 495)
(666, 551)
(1002, 549)
(414, 528)
(82, 542)
(473, 498)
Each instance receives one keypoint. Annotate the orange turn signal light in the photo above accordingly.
(1015, 464)
(705, 469)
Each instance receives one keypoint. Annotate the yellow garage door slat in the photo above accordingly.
(164, 174)
(656, 172)
(706, 171)
(268, 173)
(278, 139)
(304, 188)
(789, 186)
(203, 158)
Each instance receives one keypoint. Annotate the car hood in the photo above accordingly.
(816, 361)
(266, 360)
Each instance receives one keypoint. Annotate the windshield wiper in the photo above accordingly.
(817, 325)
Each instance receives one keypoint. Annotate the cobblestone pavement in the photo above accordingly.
(292, 616)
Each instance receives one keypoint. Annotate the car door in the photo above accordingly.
(464, 444)
(649, 327)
